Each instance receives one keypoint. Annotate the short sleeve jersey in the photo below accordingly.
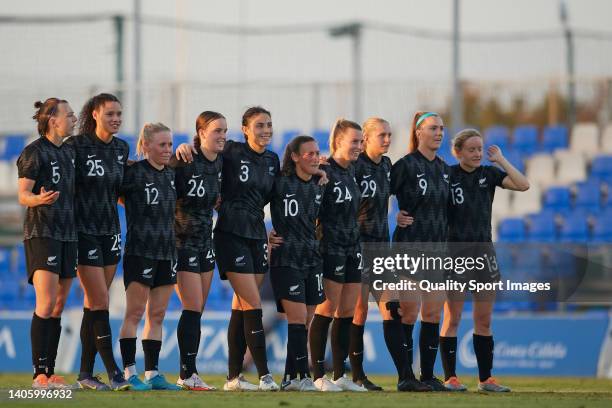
(472, 201)
(150, 199)
(337, 228)
(51, 167)
(99, 174)
(198, 186)
(422, 188)
(295, 207)
(374, 181)
(248, 180)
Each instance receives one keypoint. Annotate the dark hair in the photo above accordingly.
(203, 120)
(293, 146)
(340, 126)
(253, 111)
(413, 142)
(44, 111)
(87, 124)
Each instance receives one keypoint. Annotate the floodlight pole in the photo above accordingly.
(571, 80)
(457, 108)
(354, 30)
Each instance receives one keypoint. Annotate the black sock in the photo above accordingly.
(340, 341)
(297, 337)
(429, 339)
(408, 329)
(356, 351)
(104, 341)
(318, 340)
(448, 354)
(128, 351)
(236, 343)
(290, 371)
(151, 350)
(397, 346)
(88, 345)
(483, 348)
(39, 337)
(188, 335)
(256, 339)
(55, 331)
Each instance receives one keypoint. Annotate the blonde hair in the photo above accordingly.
(340, 127)
(369, 126)
(461, 137)
(146, 133)
(413, 142)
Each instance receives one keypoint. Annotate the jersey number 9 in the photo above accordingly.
(423, 185)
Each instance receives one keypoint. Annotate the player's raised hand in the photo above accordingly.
(185, 152)
(404, 219)
(495, 154)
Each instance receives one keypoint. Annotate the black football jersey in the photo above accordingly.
(472, 198)
(99, 174)
(150, 198)
(337, 225)
(198, 186)
(51, 167)
(295, 206)
(422, 188)
(374, 180)
(248, 180)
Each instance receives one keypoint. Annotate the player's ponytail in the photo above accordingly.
(461, 137)
(293, 146)
(44, 111)
(202, 121)
(340, 126)
(87, 123)
(146, 134)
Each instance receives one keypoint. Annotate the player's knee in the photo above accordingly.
(59, 307)
(45, 308)
(482, 324)
(133, 315)
(432, 316)
(156, 316)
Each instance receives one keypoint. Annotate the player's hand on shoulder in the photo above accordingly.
(274, 241)
(323, 177)
(185, 152)
(495, 154)
(404, 219)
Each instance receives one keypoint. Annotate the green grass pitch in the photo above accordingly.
(526, 392)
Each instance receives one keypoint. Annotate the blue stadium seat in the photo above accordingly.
(322, 138)
(179, 138)
(12, 145)
(5, 261)
(601, 168)
(554, 137)
(525, 140)
(512, 230)
(516, 159)
(497, 135)
(608, 201)
(575, 229)
(602, 229)
(557, 199)
(131, 141)
(542, 228)
(588, 197)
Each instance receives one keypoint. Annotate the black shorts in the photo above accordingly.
(343, 268)
(189, 260)
(99, 250)
(297, 285)
(59, 257)
(149, 272)
(239, 254)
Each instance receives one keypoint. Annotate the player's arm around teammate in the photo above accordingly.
(149, 263)
(46, 188)
(341, 252)
(473, 188)
(198, 187)
(420, 180)
(100, 161)
(295, 264)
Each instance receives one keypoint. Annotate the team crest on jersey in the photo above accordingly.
(120, 159)
(219, 177)
(318, 199)
(271, 170)
(483, 182)
(388, 176)
(445, 178)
